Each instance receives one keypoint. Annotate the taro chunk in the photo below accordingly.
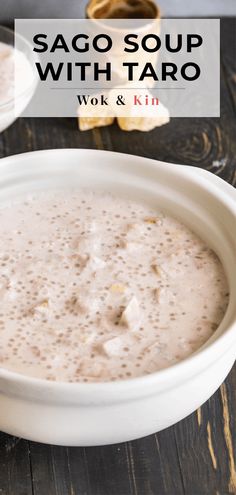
(130, 317)
(113, 347)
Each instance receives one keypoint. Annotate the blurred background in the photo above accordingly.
(10, 9)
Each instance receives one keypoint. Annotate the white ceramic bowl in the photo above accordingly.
(103, 413)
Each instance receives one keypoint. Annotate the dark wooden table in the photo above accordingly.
(198, 455)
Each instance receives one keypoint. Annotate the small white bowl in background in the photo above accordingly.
(16, 100)
(102, 413)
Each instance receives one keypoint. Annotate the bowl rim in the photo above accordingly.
(25, 91)
(187, 367)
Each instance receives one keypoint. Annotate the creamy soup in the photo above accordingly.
(13, 61)
(94, 287)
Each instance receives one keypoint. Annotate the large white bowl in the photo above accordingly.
(103, 413)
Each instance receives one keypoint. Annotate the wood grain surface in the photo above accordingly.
(197, 456)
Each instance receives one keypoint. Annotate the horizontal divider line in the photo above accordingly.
(136, 89)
